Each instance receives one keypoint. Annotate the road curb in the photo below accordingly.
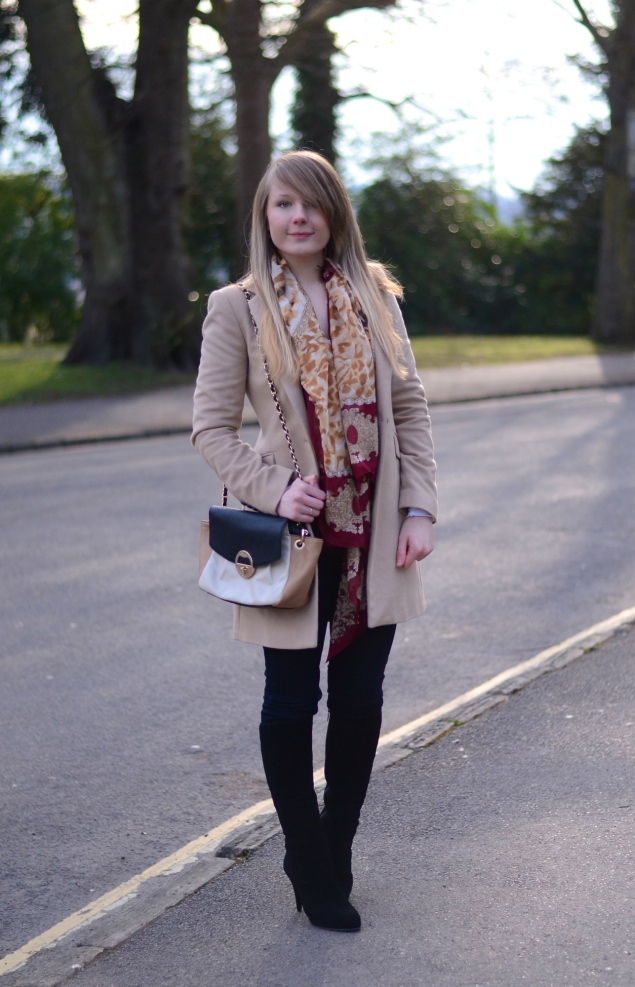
(71, 952)
(36, 445)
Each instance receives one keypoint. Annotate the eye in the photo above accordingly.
(282, 203)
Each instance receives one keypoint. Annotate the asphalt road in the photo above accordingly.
(499, 857)
(128, 718)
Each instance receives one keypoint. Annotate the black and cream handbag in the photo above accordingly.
(255, 559)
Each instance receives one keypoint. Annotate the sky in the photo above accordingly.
(491, 75)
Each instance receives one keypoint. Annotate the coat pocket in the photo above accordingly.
(268, 458)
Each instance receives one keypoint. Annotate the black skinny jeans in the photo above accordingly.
(355, 675)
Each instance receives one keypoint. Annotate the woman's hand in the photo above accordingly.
(416, 540)
(302, 501)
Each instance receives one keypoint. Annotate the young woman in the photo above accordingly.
(338, 350)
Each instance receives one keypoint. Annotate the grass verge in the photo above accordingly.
(34, 374)
(31, 374)
(472, 351)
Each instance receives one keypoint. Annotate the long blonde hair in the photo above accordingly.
(315, 180)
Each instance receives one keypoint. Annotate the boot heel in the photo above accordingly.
(286, 866)
(325, 907)
(298, 902)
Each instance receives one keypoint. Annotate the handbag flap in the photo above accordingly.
(232, 531)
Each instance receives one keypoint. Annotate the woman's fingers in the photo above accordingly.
(416, 541)
(310, 493)
(302, 501)
(310, 499)
(405, 554)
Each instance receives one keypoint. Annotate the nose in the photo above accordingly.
(299, 213)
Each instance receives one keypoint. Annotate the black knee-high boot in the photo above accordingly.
(351, 745)
(288, 763)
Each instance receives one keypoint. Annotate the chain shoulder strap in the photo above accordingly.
(274, 394)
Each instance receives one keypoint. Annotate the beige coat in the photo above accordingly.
(230, 367)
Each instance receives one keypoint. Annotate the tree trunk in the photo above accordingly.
(69, 86)
(157, 136)
(614, 320)
(313, 115)
(253, 76)
(127, 165)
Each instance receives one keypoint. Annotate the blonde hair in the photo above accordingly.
(315, 180)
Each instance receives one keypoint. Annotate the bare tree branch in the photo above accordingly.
(586, 21)
(325, 9)
(317, 14)
(310, 16)
(396, 106)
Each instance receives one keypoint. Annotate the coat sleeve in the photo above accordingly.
(219, 399)
(417, 468)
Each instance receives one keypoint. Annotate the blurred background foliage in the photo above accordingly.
(442, 243)
(464, 270)
(469, 264)
(40, 291)
(562, 227)
(465, 267)
(212, 230)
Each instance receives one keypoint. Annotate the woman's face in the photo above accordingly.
(298, 229)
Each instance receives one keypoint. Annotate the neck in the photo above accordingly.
(306, 270)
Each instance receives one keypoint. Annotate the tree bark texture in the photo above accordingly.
(158, 179)
(253, 76)
(127, 169)
(614, 320)
(92, 162)
(313, 115)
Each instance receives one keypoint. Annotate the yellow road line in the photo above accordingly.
(118, 895)
(605, 626)
(208, 842)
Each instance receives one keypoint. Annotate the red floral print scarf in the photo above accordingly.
(338, 378)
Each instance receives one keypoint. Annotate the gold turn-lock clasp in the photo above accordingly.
(303, 534)
(244, 564)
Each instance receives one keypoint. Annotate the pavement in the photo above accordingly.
(494, 854)
(170, 410)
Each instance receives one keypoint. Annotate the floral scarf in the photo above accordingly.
(338, 378)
